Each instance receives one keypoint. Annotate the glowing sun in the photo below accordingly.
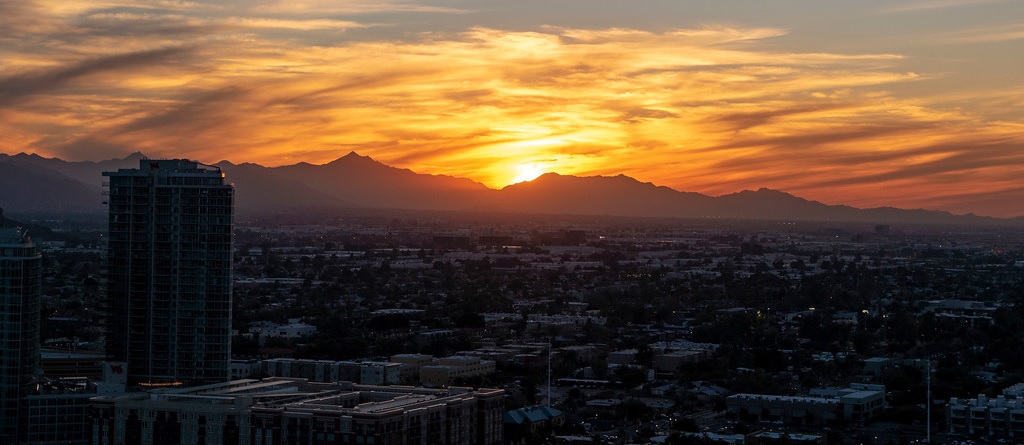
(528, 172)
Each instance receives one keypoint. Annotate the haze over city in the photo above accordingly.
(912, 104)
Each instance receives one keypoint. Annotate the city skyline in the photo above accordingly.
(912, 104)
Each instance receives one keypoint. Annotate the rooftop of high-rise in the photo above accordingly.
(14, 235)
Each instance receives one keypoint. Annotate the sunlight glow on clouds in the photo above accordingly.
(713, 108)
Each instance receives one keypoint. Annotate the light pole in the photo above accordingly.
(928, 401)
(549, 371)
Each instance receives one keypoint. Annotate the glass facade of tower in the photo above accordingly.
(169, 272)
(20, 265)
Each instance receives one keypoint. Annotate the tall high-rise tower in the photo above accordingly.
(20, 265)
(169, 272)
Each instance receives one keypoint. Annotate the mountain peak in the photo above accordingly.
(773, 192)
(353, 158)
(762, 192)
(549, 176)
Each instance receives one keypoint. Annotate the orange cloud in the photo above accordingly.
(712, 109)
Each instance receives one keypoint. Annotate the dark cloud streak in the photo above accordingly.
(974, 158)
(798, 143)
(17, 17)
(204, 113)
(16, 88)
(742, 121)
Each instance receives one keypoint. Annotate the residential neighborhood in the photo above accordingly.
(616, 332)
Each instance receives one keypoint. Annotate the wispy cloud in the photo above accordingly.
(927, 5)
(986, 34)
(21, 86)
(710, 108)
(332, 7)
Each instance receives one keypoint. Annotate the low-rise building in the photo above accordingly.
(623, 357)
(293, 329)
(327, 371)
(245, 368)
(1001, 416)
(669, 357)
(447, 370)
(856, 404)
(779, 438)
(873, 366)
(284, 411)
(581, 353)
(410, 364)
(790, 409)
(532, 420)
(58, 412)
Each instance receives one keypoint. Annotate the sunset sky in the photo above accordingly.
(906, 103)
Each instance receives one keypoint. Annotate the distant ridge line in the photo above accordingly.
(34, 184)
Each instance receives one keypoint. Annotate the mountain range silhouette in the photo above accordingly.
(34, 184)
